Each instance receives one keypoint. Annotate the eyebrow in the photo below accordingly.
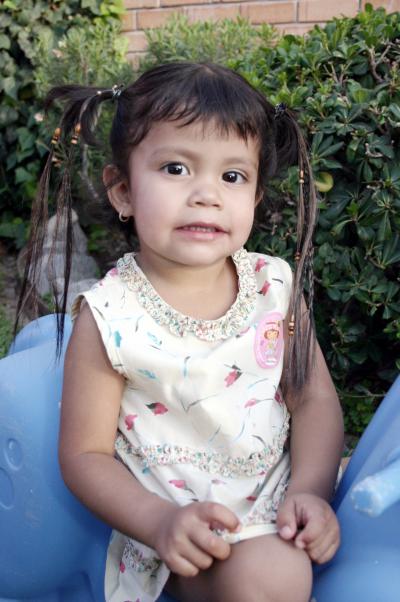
(184, 152)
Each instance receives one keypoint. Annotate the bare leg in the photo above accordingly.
(263, 569)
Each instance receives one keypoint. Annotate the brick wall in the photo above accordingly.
(290, 16)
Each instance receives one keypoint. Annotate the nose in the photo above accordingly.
(204, 194)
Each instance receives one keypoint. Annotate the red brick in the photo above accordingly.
(137, 41)
(321, 10)
(126, 21)
(142, 3)
(134, 58)
(269, 12)
(182, 2)
(213, 12)
(297, 29)
(129, 20)
(155, 18)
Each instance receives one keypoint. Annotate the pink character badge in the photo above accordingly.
(268, 343)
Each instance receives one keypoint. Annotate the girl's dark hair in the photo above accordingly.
(187, 93)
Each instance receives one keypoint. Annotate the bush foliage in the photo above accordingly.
(23, 24)
(344, 80)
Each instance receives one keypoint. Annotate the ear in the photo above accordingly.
(259, 198)
(117, 190)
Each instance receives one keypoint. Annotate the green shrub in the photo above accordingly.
(225, 41)
(88, 54)
(23, 23)
(5, 333)
(344, 79)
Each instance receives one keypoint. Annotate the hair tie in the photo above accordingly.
(116, 91)
(280, 109)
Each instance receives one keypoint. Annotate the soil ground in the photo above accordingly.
(8, 282)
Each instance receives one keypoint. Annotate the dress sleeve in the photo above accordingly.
(286, 274)
(100, 300)
(274, 278)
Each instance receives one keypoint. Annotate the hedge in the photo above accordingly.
(344, 81)
(23, 26)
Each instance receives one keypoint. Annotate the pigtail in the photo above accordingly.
(79, 119)
(63, 232)
(301, 329)
(33, 255)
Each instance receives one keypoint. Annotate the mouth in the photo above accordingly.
(202, 227)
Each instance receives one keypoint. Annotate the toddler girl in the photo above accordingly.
(192, 360)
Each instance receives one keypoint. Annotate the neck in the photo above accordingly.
(186, 288)
(186, 276)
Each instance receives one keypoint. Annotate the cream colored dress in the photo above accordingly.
(202, 417)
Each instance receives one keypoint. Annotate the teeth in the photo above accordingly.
(199, 229)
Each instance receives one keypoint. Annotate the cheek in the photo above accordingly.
(144, 216)
(244, 222)
(246, 211)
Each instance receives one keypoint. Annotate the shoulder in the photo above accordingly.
(101, 295)
(271, 268)
(100, 312)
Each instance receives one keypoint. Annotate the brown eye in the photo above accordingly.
(175, 169)
(233, 177)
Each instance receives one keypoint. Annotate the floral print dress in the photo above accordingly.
(202, 417)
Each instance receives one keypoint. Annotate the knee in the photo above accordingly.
(281, 584)
(292, 583)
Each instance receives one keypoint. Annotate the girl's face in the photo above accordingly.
(191, 192)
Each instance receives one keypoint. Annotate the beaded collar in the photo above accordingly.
(208, 330)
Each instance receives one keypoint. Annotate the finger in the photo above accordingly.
(286, 520)
(211, 543)
(319, 549)
(326, 555)
(187, 558)
(198, 557)
(329, 534)
(316, 527)
(181, 566)
(217, 513)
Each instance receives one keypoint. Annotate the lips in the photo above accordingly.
(201, 227)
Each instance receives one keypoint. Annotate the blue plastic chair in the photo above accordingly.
(52, 549)
(367, 503)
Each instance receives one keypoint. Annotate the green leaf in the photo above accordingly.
(9, 85)
(394, 109)
(391, 251)
(333, 293)
(26, 138)
(22, 175)
(385, 228)
(337, 229)
(4, 41)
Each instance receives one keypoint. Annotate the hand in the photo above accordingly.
(310, 522)
(184, 538)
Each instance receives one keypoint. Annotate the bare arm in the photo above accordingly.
(316, 434)
(316, 446)
(90, 407)
(91, 401)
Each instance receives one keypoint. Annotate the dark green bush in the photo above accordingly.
(22, 24)
(344, 79)
(89, 54)
(225, 42)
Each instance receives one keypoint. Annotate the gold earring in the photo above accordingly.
(123, 218)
